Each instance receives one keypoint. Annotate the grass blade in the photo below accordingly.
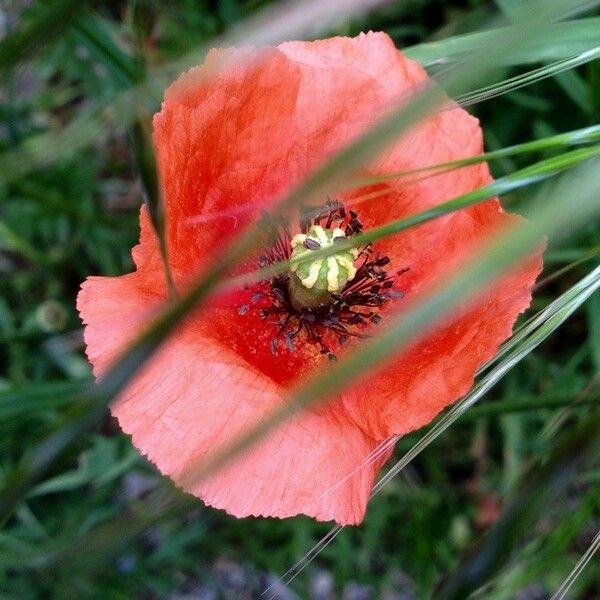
(568, 39)
(522, 178)
(519, 81)
(561, 140)
(40, 26)
(563, 590)
(543, 325)
(538, 488)
(517, 243)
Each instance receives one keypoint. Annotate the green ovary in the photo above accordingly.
(313, 283)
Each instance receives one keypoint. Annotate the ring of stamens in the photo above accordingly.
(350, 301)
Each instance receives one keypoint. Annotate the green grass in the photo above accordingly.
(84, 516)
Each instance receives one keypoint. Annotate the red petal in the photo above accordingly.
(408, 391)
(196, 396)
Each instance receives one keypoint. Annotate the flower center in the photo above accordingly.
(325, 301)
(312, 283)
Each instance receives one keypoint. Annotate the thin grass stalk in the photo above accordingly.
(532, 174)
(556, 313)
(589, 282)
(587, 135)
(520, 81)
(563, 590)
(401, 331)
(543, 484)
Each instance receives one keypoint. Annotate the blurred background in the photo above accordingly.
(70, 210)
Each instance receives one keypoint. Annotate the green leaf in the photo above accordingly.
(568, 39)
(38, 397)
(40, 25)
(93, 32)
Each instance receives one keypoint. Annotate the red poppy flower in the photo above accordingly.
(231, 137)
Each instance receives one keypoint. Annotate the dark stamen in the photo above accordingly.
(349, 311)
(311, 244)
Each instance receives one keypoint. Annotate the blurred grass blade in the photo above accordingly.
(281, 22)
(87, 411)
(568, 39)
(101, 543)
(561, 140)
(93, 31)
(519, 81)
(549, 401)
(146, 163)
(327, 178)
(38, 397)
(538, 490)
(581, 564)
(140, 18)
(93, 122)
(40, 25)
(10, 240)
(543, 325)
(527, 176)
(562, 206)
